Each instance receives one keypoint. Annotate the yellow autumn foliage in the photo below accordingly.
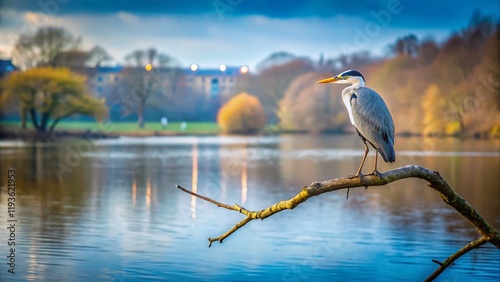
(434, 108)
(242, 114)
(48, 95)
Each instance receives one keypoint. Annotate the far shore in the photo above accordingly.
(89, 134)
(92, 130)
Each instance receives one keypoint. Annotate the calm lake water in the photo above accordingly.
(107, 210)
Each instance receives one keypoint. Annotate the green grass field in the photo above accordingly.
(131, 127)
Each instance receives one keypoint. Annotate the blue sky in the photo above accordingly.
(239, 32)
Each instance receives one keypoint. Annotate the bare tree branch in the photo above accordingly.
(436, 182)
(451, 259)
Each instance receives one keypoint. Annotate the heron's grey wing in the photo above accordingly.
(373, 120)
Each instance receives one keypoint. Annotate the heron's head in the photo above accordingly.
(353, 77)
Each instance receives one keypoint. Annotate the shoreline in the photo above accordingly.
(30, 134)
(76, 133)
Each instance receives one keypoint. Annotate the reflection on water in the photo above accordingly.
(108, 210)
(134, 193)
(194, 180)
(244, 182)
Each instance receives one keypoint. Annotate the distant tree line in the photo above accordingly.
(432, 88)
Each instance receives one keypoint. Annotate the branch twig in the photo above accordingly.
(451, 259)
(436, 182)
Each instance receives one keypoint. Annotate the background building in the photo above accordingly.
(6, 67)
(214, 83)
(192, 93)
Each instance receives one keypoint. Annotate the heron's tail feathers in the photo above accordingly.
(387, 152)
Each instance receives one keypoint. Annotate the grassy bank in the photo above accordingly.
(130, 128)
(114, 129)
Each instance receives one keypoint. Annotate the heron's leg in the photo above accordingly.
(359, 174)
(375, 171)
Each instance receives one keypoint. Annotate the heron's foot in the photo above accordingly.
(352, 176)
(362, 180)
(376, 173)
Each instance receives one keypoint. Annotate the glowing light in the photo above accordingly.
(194, 67)
(149, 67)
(222, 67)
(244, 69)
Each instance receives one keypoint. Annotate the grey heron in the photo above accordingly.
(369, 115)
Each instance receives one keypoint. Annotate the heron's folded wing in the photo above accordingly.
(373, 120)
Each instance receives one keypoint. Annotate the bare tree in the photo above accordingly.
(140, 83)
(136, 58)
(151, 55)
(42, 47)
(98, 55)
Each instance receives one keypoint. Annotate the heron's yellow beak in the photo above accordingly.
(329, 80)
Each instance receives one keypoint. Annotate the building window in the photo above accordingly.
(215, 87)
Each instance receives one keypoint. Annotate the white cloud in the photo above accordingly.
(128, 18)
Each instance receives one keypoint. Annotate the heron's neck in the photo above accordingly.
(356, 82)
